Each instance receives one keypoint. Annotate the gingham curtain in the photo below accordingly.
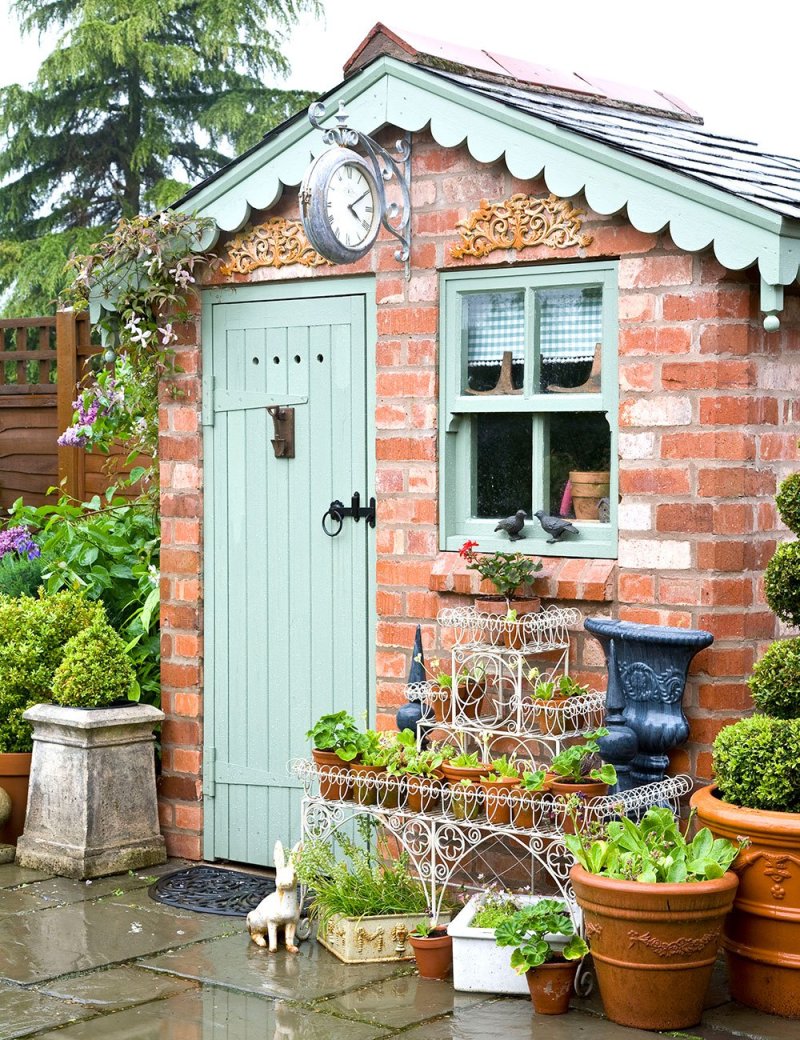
(570, 325)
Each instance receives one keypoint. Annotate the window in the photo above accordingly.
(528, 405)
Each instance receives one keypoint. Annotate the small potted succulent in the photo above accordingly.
(433, 950)
(654, 903)
(507, 573)
(336, 740)
(551, 699)
(498, 784)
(536, 935)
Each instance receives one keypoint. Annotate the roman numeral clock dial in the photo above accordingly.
(340, 205)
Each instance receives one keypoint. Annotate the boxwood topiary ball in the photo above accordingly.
(788, 502)
(775, 682)
(782, 583)
(757, 763)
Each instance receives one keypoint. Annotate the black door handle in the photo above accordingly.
(336, 513)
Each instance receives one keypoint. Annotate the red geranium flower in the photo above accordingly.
(465, 552)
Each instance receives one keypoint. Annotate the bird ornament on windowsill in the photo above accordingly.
(555, 526)
(513, 525)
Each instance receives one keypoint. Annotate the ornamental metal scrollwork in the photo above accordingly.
(520, 221)
(278, 242)
(676, 948)
(641, 683)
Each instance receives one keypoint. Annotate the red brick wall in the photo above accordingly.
(705, 399)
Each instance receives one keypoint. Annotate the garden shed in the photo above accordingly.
(597, 283)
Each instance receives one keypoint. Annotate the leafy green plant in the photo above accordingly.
(528, 933)
(508, 572)
(20, 576)
(374, 748)
(574, 764)
(757, 763)
(33, 636)
(782, 583)
(775, 682)
(788, 502)
(503, 768)
(494, 907)
(424, 763)
(94, 670)
(336, 732)
(533, 781)
(466, 760)
(547, 689)
(655, 850)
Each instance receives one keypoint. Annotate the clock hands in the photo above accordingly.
(352, 205)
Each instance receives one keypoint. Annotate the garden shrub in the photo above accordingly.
(20, 576)
(757, 763)
(33, 636)
(775, 682)
(788, 502)
(95, 669)
(782, 583)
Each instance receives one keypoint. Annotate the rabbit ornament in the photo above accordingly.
(280, 908)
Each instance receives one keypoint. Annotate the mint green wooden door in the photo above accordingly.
(287, 607)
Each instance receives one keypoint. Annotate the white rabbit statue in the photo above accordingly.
(279, 908)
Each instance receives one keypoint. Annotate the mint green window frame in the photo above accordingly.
(456, 431)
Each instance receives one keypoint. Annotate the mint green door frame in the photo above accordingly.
(225, 836)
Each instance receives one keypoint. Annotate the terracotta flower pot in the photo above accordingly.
(423, 793)
(653, 946)
(524, 807)
(762, 935)
(466, 803)
(586, 790)
(364, 782)
(15, 771)
(391, 791)
(456, 773)
(551, 986)
(441, 703)
(550, 717)
(434, 955)
(336, 780)
(497, 794)
(515, 634)
(588, 487)
(469, 698)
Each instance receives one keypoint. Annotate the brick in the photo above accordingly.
(183, 845)
(391, 417)
(189, 818)
(725, 661)
(658, 480)
(679, 591)
(391, 664)
(636, 588)
(389, 481)
(684, 517)
(616, 240)
(181, 788)
(422, 543)
(656, 411)
(388, 604)
(441, 222)
(398, 320)
(406, 384)
(673, 339)
(647, 554)
(736, 411)
(724, 339)
(725, 696)
(187, 704)
(186, 644)
(635, 516)
(422, 604)
(404, 572)
(395, 634)
(655, 271)
(186, 760)
(733, 303)
(733, 518)
(721, 556)
(422, 480)
(636, 445)
(735, 482)
(636, 307)
(179, 675)
(777, 446)
(406, 449)
(637, 378)
(421, 352)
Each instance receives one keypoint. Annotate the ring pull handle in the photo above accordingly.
(333, 515)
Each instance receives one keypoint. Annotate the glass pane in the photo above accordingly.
(579, 462)
(570, 337)
(495, 336)
(504, 469)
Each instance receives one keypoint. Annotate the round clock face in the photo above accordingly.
(340, 205)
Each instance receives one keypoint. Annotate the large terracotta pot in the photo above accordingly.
(434, 955)
(762, 936)
(563, 791)
(588, 487)
(15, 770)
(423, 793)
(551, 986)
(653, 946)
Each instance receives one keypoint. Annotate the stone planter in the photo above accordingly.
(14, 772)
(92, 807)
(360, 940)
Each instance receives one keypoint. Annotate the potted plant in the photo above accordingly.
(92, 807)
(508, 573)
(524, 797)
(374, 752)
(592, 483)
(497, 786)
(756, 765)
(549, 967)
(466, 765)
(470, 691)
(653, 903)
(366, 902)
(466, 799)
(423, 779)
(551, 698)
(576, 777)
(433, 950)
(335, 743)
(441, 686)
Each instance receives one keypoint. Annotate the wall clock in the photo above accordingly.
(340, 205)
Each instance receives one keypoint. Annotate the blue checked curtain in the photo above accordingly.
(570, 325)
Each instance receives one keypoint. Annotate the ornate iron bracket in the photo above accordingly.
(395, 217)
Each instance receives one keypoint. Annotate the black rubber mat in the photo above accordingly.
(212, 890)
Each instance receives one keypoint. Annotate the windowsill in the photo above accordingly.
(588, 580)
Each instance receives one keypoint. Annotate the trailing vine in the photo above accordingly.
(139, 278)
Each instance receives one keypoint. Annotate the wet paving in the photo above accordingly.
(90, 961)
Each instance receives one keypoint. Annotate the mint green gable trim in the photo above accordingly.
(456, 523)
(391, 92)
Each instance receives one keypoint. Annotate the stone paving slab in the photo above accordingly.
(24, 1012)
(399, 1002)
(58, 890)
(115, 988)
(212, 1013)
(65, 940)
(741, 1021)
(237, 962)
(11, 875)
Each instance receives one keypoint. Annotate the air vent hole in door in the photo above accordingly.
(277, 360)
(256, 361)
(297, 359)
(320, 357)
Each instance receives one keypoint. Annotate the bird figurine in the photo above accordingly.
(512, 525)
(555, 526)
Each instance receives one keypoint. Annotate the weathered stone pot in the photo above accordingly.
(15, 769)
(762, 935)
(359, 940)
(92, 806)
(653, 946)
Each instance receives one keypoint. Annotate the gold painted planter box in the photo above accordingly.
(360, 940)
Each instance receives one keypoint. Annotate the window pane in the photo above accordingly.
(580, 448)
(570, 333)
(504, 465)
(495, 335)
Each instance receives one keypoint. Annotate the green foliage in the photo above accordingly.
(775, 682)
(466, 760)
(33, 637)
(533, 781)
(336, 732)
(34, 273)
(502, 768)
(357, 880)
(493, 909)
(109, 550)
(757, 763)
(528, 932)
(782, 583)
(574, 763)
(508, 572)
(95, 669)
(655, 850)
(547, 689)
(788, 502)
(19, 576)
(375, 748)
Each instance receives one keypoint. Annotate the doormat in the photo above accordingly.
(212, 890)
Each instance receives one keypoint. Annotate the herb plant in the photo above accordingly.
(573, 765)
(508, 572)
(757, 763)
(466, 760)
(655, 850)
(775, 682)
(528, 931)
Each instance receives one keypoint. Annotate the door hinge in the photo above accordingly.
(209, 779)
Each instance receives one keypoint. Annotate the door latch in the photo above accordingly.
(283, 441)
(336, 513)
